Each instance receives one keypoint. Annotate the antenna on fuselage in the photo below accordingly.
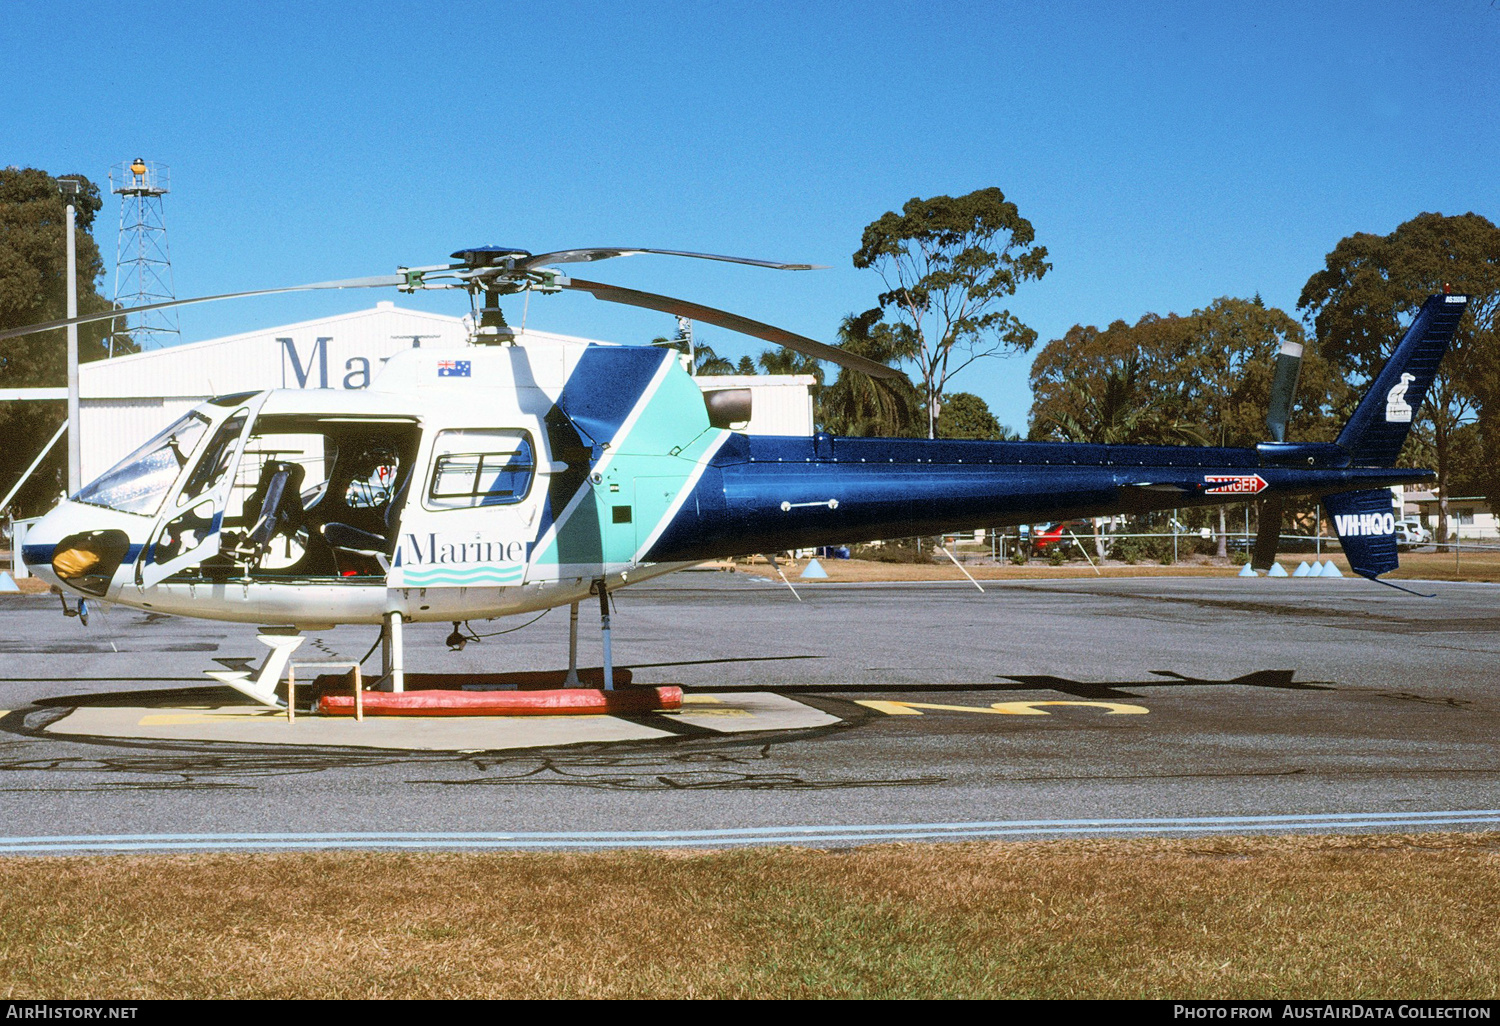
(685, 334)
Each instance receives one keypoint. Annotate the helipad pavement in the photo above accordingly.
(720, 714)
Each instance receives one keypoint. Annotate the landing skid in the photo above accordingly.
(261, 687)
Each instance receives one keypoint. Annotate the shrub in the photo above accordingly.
(897, 550)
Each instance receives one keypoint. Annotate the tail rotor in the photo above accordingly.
(1278, 414)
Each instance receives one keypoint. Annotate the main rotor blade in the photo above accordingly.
(381, 281)
(734, 322)
(579, 256)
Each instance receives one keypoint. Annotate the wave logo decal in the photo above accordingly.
(437, 560)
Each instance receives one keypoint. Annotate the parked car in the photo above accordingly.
(1411, 533)
(1412, 536)
(1045, 537)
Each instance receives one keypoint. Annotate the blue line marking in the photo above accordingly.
(806, 834)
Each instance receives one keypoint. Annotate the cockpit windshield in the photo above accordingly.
(139, 482)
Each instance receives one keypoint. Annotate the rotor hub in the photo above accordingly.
(491, 256)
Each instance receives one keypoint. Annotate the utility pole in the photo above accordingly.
(69, 187)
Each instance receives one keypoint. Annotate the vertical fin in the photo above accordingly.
(1376, 432)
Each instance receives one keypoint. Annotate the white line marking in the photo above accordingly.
(799, 835)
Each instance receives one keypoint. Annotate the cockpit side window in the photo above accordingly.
(480, 468)
(139, 482)
(215, 461)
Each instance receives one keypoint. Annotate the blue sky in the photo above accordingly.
(1167, 154)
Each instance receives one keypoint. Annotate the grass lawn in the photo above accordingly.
(1287, 917)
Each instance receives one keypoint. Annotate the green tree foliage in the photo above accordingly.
(785, 361)
(709, 362)
(1473, 472)
(948, 263)
(1222, 360)
(968, 416)
(746, 367)
(33, 288)
(857, 404)
(1372, 286)
(1202, 379)
(1102, 386)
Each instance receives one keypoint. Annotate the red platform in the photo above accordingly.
(561, 702)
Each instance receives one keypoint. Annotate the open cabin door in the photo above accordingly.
(189, 528)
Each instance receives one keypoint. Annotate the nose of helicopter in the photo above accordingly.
(78, 545)
(39, 543)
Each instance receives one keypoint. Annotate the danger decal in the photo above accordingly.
(1233, 484)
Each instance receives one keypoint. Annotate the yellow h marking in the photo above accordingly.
(999, 708)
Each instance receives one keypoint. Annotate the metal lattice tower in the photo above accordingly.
(143, 267)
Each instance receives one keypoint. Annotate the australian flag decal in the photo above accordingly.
(453, 368)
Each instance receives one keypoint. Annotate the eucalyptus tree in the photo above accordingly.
(948, 265)
(1372, 285)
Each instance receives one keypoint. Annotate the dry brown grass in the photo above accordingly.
(1463, 565)
(1224, 917)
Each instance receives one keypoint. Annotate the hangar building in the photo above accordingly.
(125, 400)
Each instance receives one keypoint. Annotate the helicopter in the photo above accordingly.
(513, 477)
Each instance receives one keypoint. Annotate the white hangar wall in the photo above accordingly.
(124, 401)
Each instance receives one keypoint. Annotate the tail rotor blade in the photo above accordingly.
(733, 322)
(1284, 389)
(1268, 534)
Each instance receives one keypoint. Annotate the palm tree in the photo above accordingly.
(1114, 414)
(857, 404)
(785, 361)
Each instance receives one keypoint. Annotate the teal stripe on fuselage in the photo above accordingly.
(661, 441)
